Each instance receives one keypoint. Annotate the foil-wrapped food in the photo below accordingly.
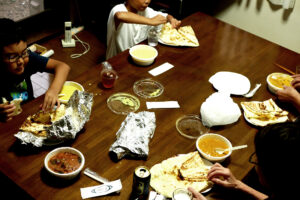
(59, 125)
(134, 136)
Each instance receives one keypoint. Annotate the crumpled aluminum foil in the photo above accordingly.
(78, 111)
(134, 136)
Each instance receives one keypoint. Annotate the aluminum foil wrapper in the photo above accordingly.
(134, 136)
(78, 111)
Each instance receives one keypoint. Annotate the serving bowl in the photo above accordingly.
(277, 80)
(68, 88)
(143, 54)
(56, 151)
(207, 143)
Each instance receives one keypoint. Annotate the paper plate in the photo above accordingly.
(190, 126)
(230, 82)
(148, 88)
(123, 103)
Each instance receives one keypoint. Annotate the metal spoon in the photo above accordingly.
(252, 92)
(221, 151)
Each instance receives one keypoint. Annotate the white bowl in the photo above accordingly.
(214, 158)
(141, 49)
(64, 149)
(272, 87)
(76, 86)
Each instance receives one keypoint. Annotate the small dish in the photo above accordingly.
(123, 103)
(148, 88)
(190, 126)
(217, 157)
(143, 54)
(276, 81)
(71, 150)
(68, 89)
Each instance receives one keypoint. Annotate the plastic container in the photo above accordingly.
(108, 75)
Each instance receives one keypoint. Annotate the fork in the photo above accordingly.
(252, 92)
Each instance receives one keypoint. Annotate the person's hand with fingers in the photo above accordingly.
(173, 21)
(296, 82)
(196, 195)
(51, 98)
(6, 111)
(222, 176)
(158, 19)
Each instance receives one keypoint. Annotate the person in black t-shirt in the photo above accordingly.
(275, 157)
(17, 64)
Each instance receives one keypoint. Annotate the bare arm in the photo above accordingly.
(130, 17)
(61, 70)
(229, 181)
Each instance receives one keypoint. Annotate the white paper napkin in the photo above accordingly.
(162, 104)
(161, 69)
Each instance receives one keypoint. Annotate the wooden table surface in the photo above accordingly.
(222, 48)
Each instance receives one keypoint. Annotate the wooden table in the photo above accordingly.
(222, 48)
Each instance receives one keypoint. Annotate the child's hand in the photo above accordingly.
(7, 111)
(175, 23)
(157, 20)
(51, 98)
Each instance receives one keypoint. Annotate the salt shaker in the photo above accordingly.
(108, 75)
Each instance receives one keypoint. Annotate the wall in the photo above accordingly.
(265, 20)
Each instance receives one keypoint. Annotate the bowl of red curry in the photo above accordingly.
(64, 162)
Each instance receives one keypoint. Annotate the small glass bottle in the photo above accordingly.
(108, 75)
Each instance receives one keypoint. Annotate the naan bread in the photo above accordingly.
(16, 102)
(166, 177)
(193, 169)
(264, 113)
(184, 36)
(38, 123)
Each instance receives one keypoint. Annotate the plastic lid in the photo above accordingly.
(148, 88)
(190, 126)
(123, 103)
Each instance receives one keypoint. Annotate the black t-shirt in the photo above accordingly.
(19, 86)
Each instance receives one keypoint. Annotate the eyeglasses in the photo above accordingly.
(15, 57)
(253, 159)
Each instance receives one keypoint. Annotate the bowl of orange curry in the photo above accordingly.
(64, 162)
(214, 147)
(276, 81)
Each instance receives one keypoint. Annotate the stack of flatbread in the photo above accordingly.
(182, 171)
(184, 36)
(38, 123)
(263, 113)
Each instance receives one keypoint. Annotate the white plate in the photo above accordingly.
(162, 42)
(230, 82)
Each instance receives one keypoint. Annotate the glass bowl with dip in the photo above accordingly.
(209, 144)
(276, 81)
(143, 54)
(64, 162)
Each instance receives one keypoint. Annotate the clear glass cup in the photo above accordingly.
(153, 36)
(182, 194)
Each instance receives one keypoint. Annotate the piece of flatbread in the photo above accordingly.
(184, 36)
(188, 32)
(38, 123)
(264, 113)
(165, 176)
(193, 169)
(16, 102)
